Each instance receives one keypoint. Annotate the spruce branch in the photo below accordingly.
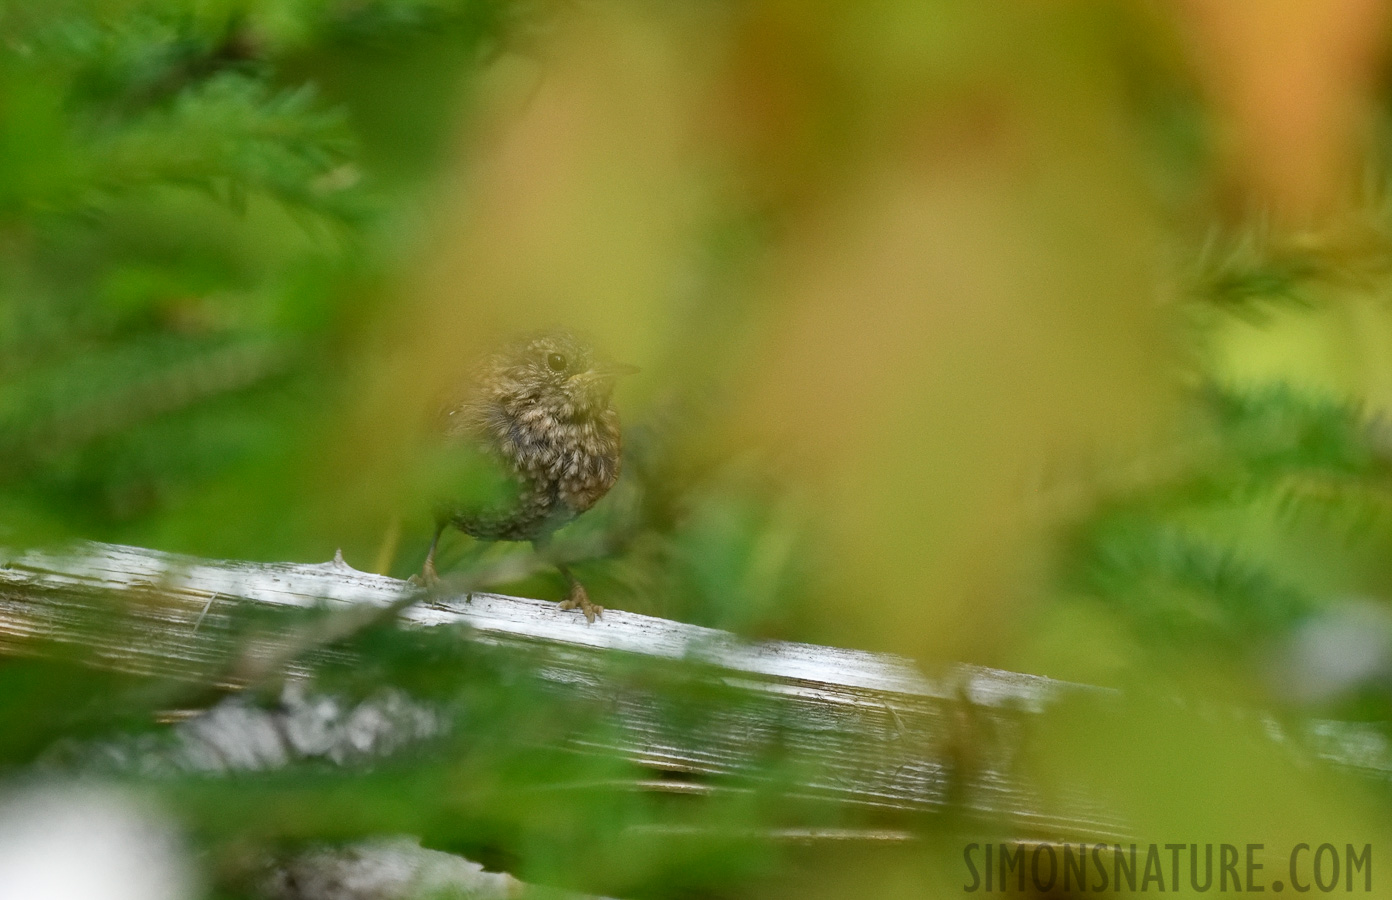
(232, 136)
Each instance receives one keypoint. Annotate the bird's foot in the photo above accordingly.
(428, 577)
(579, 599)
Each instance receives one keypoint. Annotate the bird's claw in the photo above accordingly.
(580, 599)
(428, 577)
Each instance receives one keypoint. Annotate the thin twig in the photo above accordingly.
(206, 606)
(250, 669)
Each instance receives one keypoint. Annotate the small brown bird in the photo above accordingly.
(541, 410)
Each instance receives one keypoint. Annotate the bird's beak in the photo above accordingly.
(602, 378)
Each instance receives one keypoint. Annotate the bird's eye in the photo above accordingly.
(557, 362)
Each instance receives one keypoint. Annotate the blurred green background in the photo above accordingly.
(1053, 337)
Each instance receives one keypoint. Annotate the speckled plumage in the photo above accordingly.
(541, 408)
(554, 430)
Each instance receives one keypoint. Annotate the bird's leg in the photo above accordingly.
(578, 597)
(428, 577)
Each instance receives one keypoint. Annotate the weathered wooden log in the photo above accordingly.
(879, 734)
(869, 735)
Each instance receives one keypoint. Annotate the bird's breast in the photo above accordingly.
(575, 460)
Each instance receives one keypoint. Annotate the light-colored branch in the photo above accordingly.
(880, 733)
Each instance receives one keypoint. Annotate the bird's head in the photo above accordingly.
(555, 371)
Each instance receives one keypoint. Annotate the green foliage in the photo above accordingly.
(183, 213)
(1174, 558)
(1247, 275)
